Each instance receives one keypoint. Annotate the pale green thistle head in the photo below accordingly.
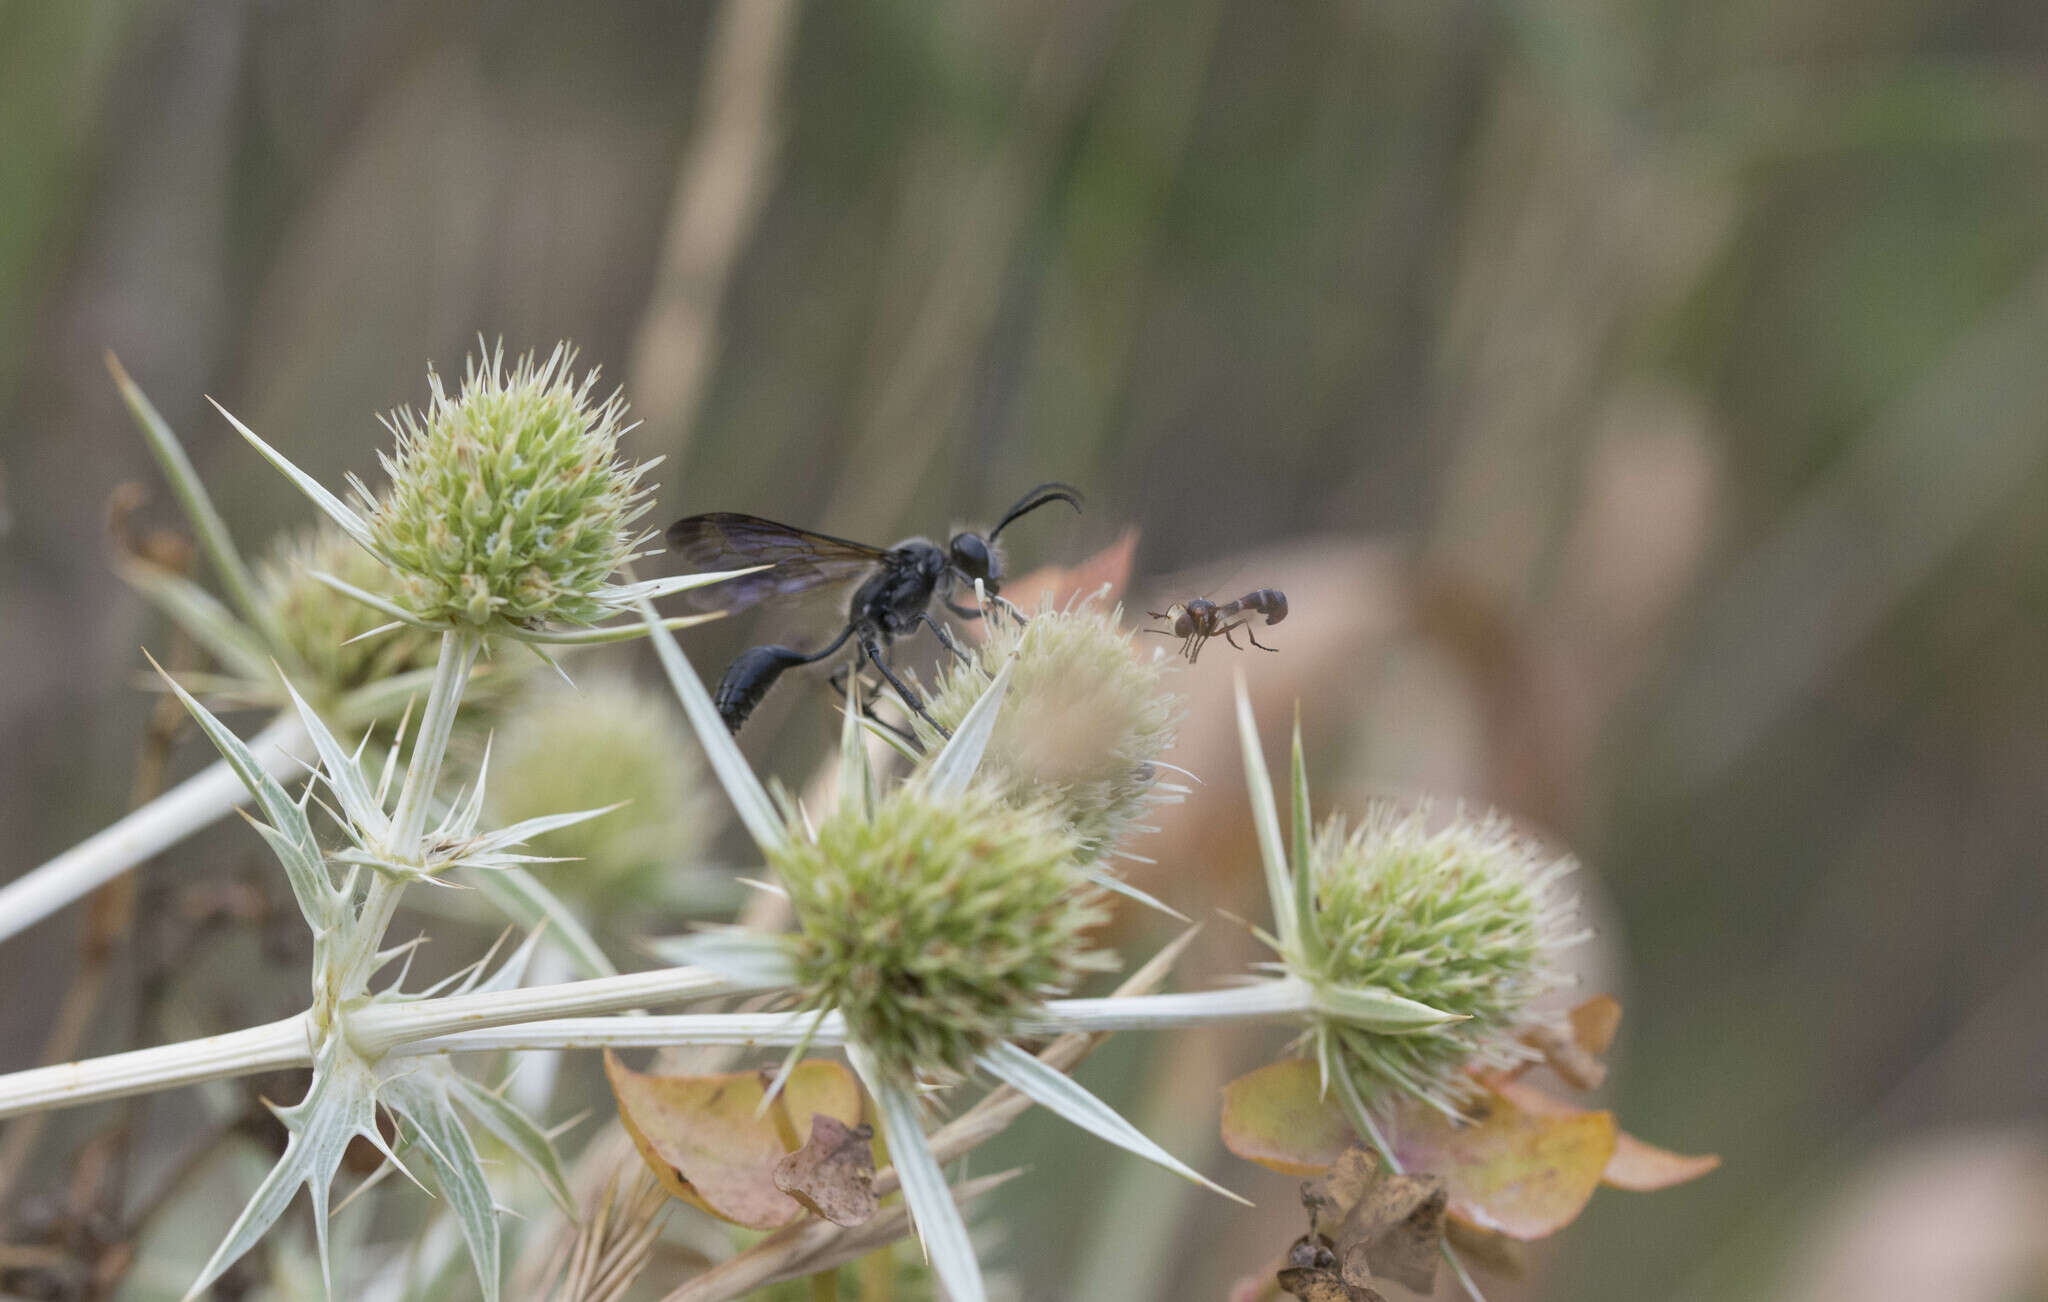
(1427, 950)
(606, 741)
(1086, 719)
(933, 923)
(1464, 917)
(321, 626)
(508, 505)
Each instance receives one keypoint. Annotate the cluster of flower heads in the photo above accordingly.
(936, 915)
(507, 504)
(932, 924)
(1462, 916)
(1085, 721)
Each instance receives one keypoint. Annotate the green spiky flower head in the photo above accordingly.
(320, 625)
(1465, 917)
(932, 924)
(1086, 718)
(606, 741)
(508, 507)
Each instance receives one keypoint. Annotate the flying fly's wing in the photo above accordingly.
(798, 559)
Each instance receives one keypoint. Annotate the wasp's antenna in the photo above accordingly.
(1053, 491)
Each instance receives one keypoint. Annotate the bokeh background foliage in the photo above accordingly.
(1642, 403)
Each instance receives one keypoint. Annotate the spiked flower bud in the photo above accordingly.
(1085, 720)
(1464, 918)
(320, 624)
(605, 742)
(507, 505)
(932, 924)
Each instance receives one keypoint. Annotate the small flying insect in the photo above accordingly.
(893, 598)
(1201, 619)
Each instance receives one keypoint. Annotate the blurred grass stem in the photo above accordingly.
(186, 808)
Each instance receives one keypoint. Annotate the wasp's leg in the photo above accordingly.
(1255, 640)
(945, 637)
(837, 682)
(915, 703)
(964, 612)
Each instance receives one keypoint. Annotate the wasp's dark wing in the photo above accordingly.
(799, 560)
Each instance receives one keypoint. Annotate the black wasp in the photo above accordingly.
(892, 600)
(1201, 619)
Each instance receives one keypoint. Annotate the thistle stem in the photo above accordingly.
(270, 1047)
(451, 672)
(545, 1017)
(1268, 1001)
(392, 1026)
(194, 803)
(374, 1029)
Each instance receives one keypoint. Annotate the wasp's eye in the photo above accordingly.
(970, 555)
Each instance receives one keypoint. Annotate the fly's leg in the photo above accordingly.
(872, 645)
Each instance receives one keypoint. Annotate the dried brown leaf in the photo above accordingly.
(708, 1142)
(1387, 1226)
(1279, 1117)
(1488, 1249)
(1646, 1168)
(1524, 1166)
(1314, 1274)
(833, 1174)
(1595, 1022)
(1056, 585)
(1331, 1199)
(1397, 1231)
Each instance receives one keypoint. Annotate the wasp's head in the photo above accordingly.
(973, 557)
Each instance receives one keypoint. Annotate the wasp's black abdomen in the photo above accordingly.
(748, 678)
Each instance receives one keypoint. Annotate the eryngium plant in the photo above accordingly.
(1463, 917)
(1088, 716)
(933, 924)
(507, 504)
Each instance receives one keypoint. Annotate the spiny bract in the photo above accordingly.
(507, 503)
(933, 924)
(1463, 918)
(1085, 718)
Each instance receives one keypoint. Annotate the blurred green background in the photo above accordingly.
(1680, 373)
